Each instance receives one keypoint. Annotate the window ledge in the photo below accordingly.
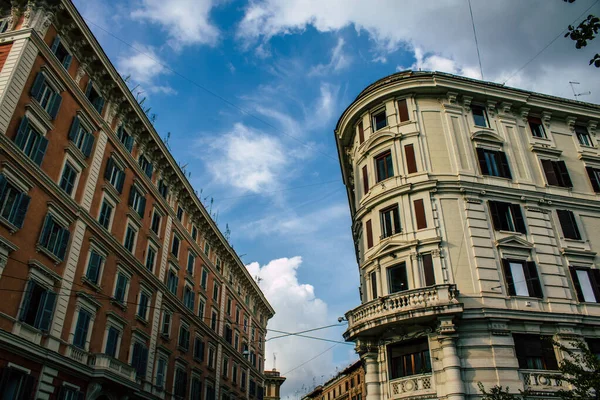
(181, 348)
(41, 249)
(76, 153)
(41, 116)
(174, 260)
(112, 192)
(498, 177)
(89, 282)
(155, 237)
(118, 303)
(574, 241)
(165, 337)
(141, 320)
(11, 227)
(135, 216)
(511, 232)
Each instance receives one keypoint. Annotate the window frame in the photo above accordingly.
(374, 114)
(484, 115)
(388, 165)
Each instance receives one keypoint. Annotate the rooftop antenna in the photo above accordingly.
(575, 93)
(258, 279)
(274, 361)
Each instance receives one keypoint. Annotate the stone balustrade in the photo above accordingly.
(77, 354)
(105, 362)
(410, 386)
(541, 380)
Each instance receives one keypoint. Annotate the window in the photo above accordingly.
(409, 358)
(216, 292)
(361, 132)
(522, 278)
(125, 138)
(155, 225)
(198, 349)
(81, 137)
(507, 217)
(137, 201)
(146, 166)
(38, 306)
(61, 53)
(583, 136)
(556, 173)
(161, 370)
(594, 175)
(535, 352)
(237, 315)
(225, 367)
(252, 387)
(218, 264)
(180, 384)
(184, 337)
(480, 116)
(411, 160)
(165, 329)
(211, 357)
(94, 97)
(228, 334)
(379, 119)
(243, 381)
(493, 163)
(150, 258)
(594, 346)
(81, 329)
(13, 203)
(54, 237)
(189, 298)
(190, 263)
(420, 214)
(196, 389)
(139, 358)
(180, 214)
(373, 276)
(112, 339)
(142, 310)
(228, 306)
(537, 128)
(175, 246)
(397, 278)
(587, 284)
(385, 168)
(94, 267)
(15, 384)
(206, 248)
(114, 174)
(403, 110)
(245, 324)
(121, 286)
(236, 340)
(204, 279)
(172, 282)
(390, 221)
(68, 178)
(106, 212)
(568, 224)
(69, 393)
(213, 321)
(428, 272)
(201, 308)
(194, 233)
(130, 236)
(234, 373)
(163, 189)
(45, 95)
(369, 234)
(32, 142)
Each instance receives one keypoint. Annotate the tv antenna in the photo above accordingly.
(274, 361)
(575, 93)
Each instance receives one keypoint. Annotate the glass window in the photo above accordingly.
(184, 337)
(16, 384)
(493, 163)
(94, 266)
(190, 263)
(150, 258)
(125, 138)
(45, 95)
(81, 329)
(507, 217)
(556, 173)
(139, 358)
(155, 226)
(535, 352)
(166, 324)
(81, 137)
(13, 203)
(397, 278)
(213, 321)
(568, 224)
(385, 167)
(130, 235)
(161, 367)
(68, 178)
(106, 210)
(60, 51)
(198, 348)
(583, 136)
(121, 287)
(54, 237)
(188, 298)
(537, 128)
(522, 278)
(480, 116)
(175, 246)
(137, 201)
(142, 311)
(390, 221)
(379, 120)
(204, 279)
(409, 358)
(30, 141)
(172, 281)
(587, 284)
(179, 213)
(114, 175)
(112, 339)
(38, 306)
(201, 308)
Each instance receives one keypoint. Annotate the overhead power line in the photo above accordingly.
(475, 35)
(307, 361)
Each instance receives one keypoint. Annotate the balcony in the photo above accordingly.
(411, 386)
(77, 354)
(417, 305)
(544, 381)
(103, 363)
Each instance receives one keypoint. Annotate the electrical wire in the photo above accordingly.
(476, 43)
(280, 190)
(307, 361)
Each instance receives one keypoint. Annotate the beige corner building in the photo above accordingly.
(476, 221)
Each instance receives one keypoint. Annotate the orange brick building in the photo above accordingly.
(115, 281)
(348, 384)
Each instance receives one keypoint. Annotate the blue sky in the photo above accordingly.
(290, 68)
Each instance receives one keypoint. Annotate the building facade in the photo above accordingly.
(272, 385)
(475, 217)
(115, 281)
(349, 384)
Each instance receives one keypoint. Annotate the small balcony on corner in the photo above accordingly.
(411, 386)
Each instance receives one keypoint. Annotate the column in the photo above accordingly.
(372, 383)
(454, 386)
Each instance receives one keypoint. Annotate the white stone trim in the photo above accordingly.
(94, 171)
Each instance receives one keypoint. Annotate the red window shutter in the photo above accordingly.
(361, 133)
(411, 161)
(428, 270)
(369, 230)
(365, 177)
(403, 110)
(420, 214)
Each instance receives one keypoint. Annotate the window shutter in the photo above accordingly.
(365, 177)
(47, 310)
(88, 144)
(564, 174)
(55, 44)
(548, 354)
(94, 266)
(135, 356)
(18, 215)
(143, 361)
(576, 284)
(132, 192)
(64, 241)
(38, 157)
(56, 102)
(518, 218)
(149, 170)
(593, 179)
(361, 133)
(67, 61)
(22, 132)
(99, 104)
(482, 163)
(74, 131)
(549, 172)
(374, 284)
(420, 214)
(568, 224)
(428, 270)
(510, 285)
(88, 88)
(26, 300)
(594, 275)
(533, 280)
(46, 229)
(369, 230)
(38, 84)
(403, 110)
(504, 165)
(3, 183)
(28, 386)
(129, 143)
(110, 164)
(120, 181)
(496, 221)
(411, 160)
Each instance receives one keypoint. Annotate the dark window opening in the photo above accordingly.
(535, 352)
(379, 120)
(493, 163)
(507, 217)
(385, 167)
(409, 358)
(568, 224)
(480, 116)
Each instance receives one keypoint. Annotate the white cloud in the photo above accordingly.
(339, 61)
(436, 62)
(144, 68)
(186, 21)
(297, 308)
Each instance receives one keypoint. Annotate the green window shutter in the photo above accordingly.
(48, 222)
(88, 144)
(110, 164)
(55, 44)
(47, 310)
(88, 88)
(55, 106)
(22, 133)
(509, 278)
(67, 61)
(120, 181)
(17, 215)
(74, 131)
(38, 85)
(26, 300)
(38, 155)
(64, 241)
(518, 218)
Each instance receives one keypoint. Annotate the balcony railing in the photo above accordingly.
(105, 362)
(77, 354)
(541, 380)
(410, 386)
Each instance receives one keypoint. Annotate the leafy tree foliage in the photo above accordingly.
(581, 369)
(499, 393)
(585, 32)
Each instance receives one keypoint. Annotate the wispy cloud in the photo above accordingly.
(144, 67)
(339, 61)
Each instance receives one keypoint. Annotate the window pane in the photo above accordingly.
(519, 281)
(397, 278)
(586, 286)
